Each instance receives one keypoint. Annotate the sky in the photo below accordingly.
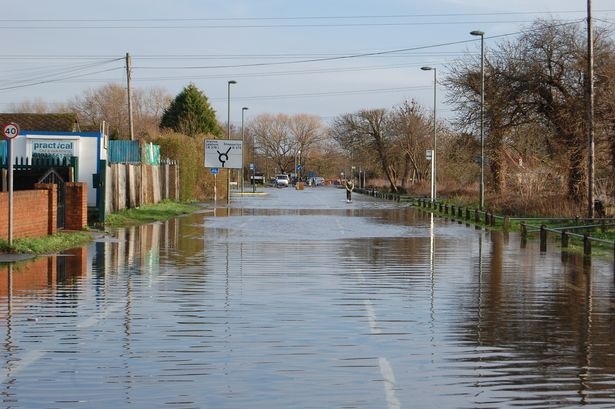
(317, 57)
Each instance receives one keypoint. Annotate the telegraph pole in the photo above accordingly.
(128, 70)
(590, 112)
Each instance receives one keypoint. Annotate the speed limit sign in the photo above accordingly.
(10, 130)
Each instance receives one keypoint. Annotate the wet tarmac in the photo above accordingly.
(297, 299)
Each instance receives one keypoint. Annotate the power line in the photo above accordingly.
(73, 72)
(328, 93)
(291, 18)
(256, 26)
(311, 60)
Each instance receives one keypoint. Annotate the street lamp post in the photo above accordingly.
(481, 34)
(243, 110)
(433, 153)
(228, 136)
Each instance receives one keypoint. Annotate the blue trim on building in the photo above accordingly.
(75, 134)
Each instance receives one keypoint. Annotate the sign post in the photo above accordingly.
(227, 154)
(10, 131)
(214, 171)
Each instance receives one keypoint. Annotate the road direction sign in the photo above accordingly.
(223, 153)
(10, 130)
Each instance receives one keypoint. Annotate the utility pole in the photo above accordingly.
(128, 70)
(590, 112)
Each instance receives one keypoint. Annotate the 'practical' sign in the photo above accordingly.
(57, 147)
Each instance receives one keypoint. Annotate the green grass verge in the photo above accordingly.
(47, 244)
(68, 240)
(149, 213)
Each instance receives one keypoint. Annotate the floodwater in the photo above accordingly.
(297, 299)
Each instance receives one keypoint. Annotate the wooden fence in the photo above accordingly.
(134, 185)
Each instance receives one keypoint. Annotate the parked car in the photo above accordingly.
(318, 181)
(282, 180)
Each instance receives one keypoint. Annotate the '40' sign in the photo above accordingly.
(10, 130)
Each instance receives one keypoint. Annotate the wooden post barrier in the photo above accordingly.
(506, 223)
(587, 245)
(564, 238)
(543, 238)
(476, 217)
(523, 230)
(468, 213)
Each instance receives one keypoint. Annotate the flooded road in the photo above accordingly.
(297, 299)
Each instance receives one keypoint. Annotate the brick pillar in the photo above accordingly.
(52, 208)
(76, 206)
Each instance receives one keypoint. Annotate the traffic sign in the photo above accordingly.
(214, 171)
(10, 130)
(223, 153)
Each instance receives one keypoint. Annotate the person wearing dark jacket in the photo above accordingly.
(349, 188)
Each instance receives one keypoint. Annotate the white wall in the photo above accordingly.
(89, 147)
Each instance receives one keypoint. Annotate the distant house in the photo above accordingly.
(58, 135)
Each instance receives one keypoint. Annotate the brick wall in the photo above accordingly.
(30, 213)
(52, 205)
(35, 211)
(76, 206)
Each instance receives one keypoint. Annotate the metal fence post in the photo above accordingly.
(543, 238)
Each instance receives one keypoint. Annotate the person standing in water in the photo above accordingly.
(349, 188)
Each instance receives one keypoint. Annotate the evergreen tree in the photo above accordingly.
(191, 114)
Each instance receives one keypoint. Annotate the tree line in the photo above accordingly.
(534, 123)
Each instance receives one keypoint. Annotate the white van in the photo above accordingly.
(281, 180)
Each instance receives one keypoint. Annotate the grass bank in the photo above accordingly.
(46, 245)
(149, 213)
(68, 240)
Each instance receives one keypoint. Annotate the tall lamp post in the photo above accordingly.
(481, 34)
(243, 110)
(228, 136)
(590, 114)
(433, 143)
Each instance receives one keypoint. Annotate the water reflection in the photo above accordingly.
(363, 306)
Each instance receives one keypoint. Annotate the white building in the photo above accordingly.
(89, 147)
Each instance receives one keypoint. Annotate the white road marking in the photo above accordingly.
(371, 317)
(28, 359)
(388, 375)
(93, 320)
(389, 383)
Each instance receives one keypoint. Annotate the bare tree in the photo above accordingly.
(280, 138)
(537, 80)
(368, 129)
(148, 106)
(307, 132)
(414, 135)
(273, 139)
(109, 103)
(37, 106)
